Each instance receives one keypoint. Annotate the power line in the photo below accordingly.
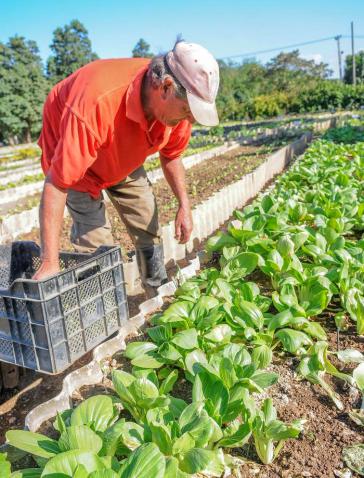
(294, 45)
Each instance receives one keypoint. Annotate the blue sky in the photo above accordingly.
(225, 27)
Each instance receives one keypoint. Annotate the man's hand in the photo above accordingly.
(183, 224)
(46, 269)
(175, 175)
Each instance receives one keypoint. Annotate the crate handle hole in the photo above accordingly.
(87, 271)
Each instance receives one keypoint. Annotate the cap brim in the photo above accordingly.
(204, 113)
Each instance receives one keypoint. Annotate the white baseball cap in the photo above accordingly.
(198, 72)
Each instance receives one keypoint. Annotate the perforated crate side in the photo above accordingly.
(7, 353)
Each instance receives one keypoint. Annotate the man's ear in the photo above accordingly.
(167, 87)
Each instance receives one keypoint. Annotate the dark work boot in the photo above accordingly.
(151, 267)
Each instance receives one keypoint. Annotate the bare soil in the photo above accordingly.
(34, 388)
(317, 452)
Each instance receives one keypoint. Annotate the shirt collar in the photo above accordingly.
(134, 108)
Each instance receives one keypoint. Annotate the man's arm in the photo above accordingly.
(174, 173)
(51, 211)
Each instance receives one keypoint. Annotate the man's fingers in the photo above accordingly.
(177, 231)
(183, 226)
(186, 233)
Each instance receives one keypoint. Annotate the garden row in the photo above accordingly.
(11, 155)
(220, 334)
(232, 129)
(14, 179)
(26, 215)
(305, 237)
(14, 183)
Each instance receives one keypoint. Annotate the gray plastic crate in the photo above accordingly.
(46, 325)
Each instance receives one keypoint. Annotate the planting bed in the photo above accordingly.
(250, 128)
(283, 289)
(318, 452)
(28, 179)
(202, 181)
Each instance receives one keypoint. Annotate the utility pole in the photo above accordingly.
(353, 53)
(337, 38)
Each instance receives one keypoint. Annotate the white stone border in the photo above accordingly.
(12, 176)
(22, 165)
(214, 212)
(19, 192)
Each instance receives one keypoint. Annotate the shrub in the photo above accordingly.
(264, 106)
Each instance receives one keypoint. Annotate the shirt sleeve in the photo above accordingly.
(178, 140)
(75, 152)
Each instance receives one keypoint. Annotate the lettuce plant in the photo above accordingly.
(316, 364)
(267, 430)
(222, 383)
(358, 375)
(142, 392)
(81, 440)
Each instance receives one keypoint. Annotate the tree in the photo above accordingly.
(71, 49)
(142, 50)
(239, 83)
(289, 70)
(359, 68)
(23, 89)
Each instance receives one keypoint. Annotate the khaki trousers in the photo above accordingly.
(135, 203)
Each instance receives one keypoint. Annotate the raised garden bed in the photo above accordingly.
(17, 154)
(202, 181)
(28, 179)
(18, 165)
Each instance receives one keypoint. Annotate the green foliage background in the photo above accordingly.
(286, 84)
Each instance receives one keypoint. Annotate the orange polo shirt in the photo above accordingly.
(94, 130)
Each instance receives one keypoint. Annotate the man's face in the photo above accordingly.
(170, 110)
